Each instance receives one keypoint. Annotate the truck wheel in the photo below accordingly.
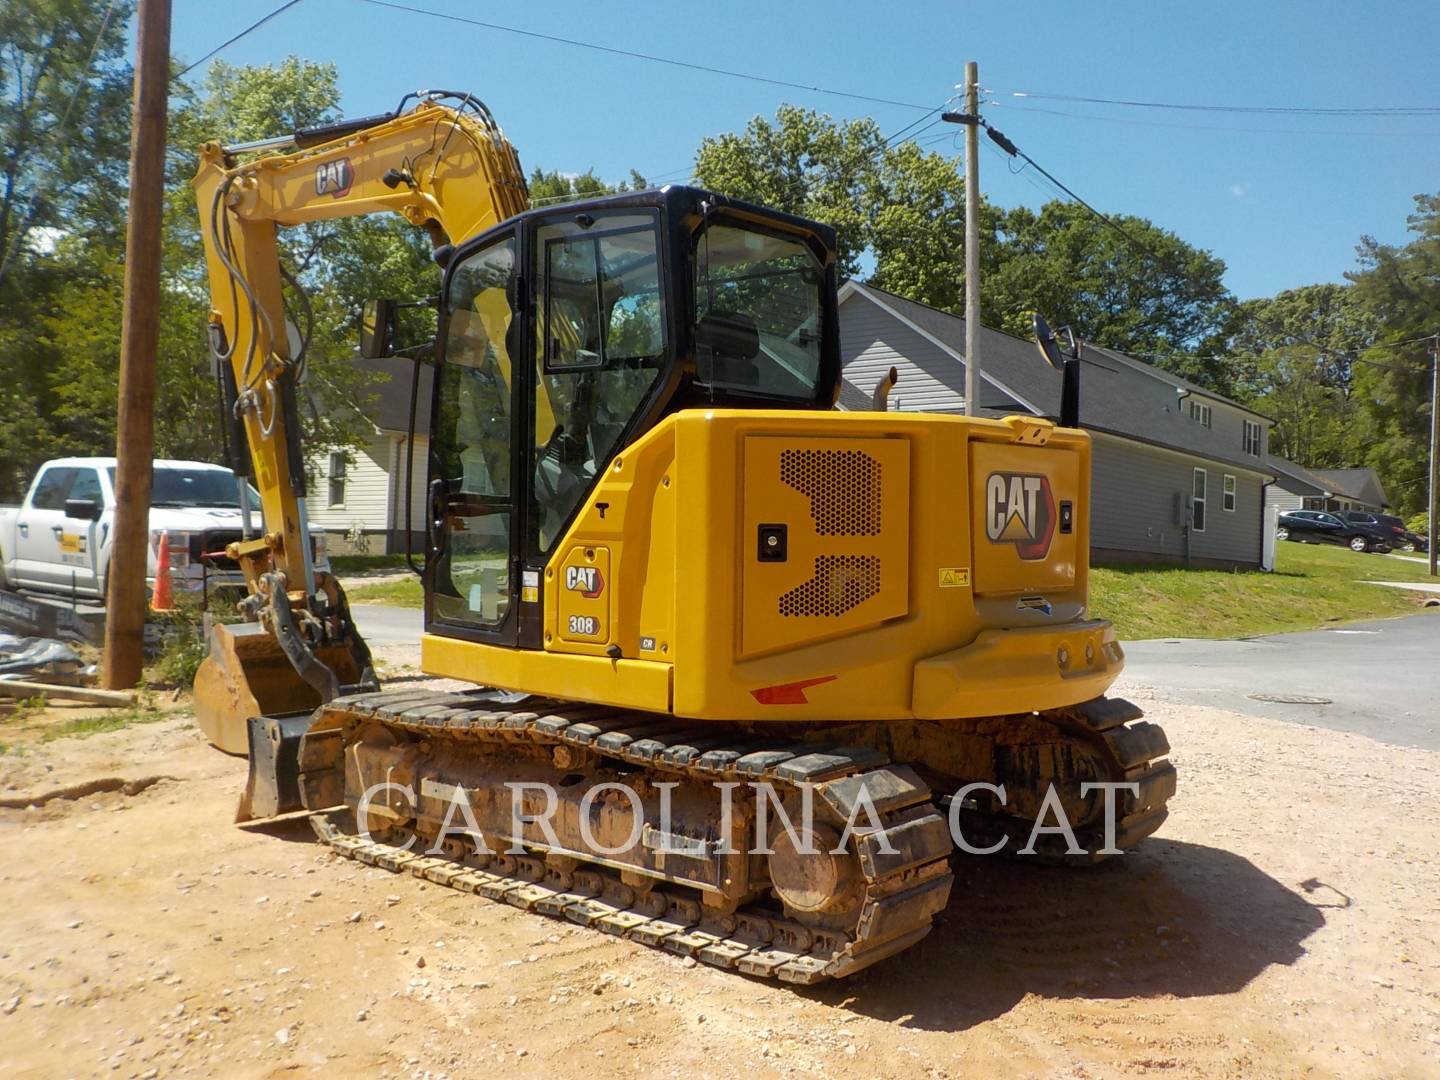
(1358, 543)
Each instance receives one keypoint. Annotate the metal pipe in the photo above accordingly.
(881, 396)
(275, 142)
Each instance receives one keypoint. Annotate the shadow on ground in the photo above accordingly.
(1172, 919)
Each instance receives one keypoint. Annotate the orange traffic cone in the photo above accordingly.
(160, 599)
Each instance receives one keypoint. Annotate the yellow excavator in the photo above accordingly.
(746, 668)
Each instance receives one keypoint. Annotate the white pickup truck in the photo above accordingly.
(59, 538)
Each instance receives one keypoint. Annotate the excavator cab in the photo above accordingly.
(568, 332)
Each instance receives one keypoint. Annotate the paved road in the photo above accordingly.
(1382, 678)
(383, 625)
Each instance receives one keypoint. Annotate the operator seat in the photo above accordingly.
(731, 342)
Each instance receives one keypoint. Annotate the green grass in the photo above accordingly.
(142, 712)
(353, 564)
(1312, 586)
(404, 593)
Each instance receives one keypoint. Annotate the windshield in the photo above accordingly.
(758, 308)
(195, 487)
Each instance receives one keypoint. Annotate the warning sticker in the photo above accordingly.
(954, 577)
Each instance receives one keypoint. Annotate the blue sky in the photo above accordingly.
(1281, 199)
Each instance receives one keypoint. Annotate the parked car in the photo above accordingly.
(1405, 539)
(1391, 527)
(1322, 527)
(59, 539)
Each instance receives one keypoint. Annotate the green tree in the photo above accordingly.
(1147, 293)
(65, 85)
(560, 187)
(65, 124)
(1151, 296)
(1293, 357)
(917, 232)
(804, 163)
(1399, 287)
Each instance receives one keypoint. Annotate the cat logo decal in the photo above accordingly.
(334, 177)
(1020, 510)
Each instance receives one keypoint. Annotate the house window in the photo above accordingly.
(1197, 500)
(337, 479)
(1227, 496)
(1254, 438)
(1200, 413)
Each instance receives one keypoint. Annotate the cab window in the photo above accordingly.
(53, 489)
(759, 301)
(601, 343)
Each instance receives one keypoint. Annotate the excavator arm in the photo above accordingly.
(445, 166)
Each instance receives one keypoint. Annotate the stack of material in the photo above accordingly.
(45, 659)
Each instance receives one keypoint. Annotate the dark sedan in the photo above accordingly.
(1321, 527)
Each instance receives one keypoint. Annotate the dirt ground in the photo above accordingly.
(1282, 923)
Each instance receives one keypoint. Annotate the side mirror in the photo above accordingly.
(377, 329)
(84, 509)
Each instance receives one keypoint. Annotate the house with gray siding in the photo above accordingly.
(1179, 473)
(1298, 488)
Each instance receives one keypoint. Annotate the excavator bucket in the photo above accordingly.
(248, 674)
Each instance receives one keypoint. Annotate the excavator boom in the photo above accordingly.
(443, 165)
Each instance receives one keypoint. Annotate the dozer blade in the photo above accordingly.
(248, 674)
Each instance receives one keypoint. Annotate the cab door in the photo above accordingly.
(39, 527)
(475, 429)
(80, 538)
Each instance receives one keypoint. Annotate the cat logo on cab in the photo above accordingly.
(1020, 510)
(586, 580)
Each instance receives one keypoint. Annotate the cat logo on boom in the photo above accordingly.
(1020, 510)
(334, 177)
(586, 580)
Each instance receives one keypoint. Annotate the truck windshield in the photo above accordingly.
(195, 487)
(758, 310)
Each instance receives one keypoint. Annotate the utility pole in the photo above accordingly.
(1434, 445)
(139, 338)
(972, 240)
(971, 119)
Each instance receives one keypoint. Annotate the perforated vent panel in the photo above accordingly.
(841, 582)
(843, 487)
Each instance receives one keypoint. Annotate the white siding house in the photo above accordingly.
(359, 500)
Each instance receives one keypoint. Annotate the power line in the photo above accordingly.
(998, 137)
(231, 41)
(652, 58)
(891, 138)
(1214, 127)
(1288, 110)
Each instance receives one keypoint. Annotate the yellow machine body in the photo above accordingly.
(892, 601)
